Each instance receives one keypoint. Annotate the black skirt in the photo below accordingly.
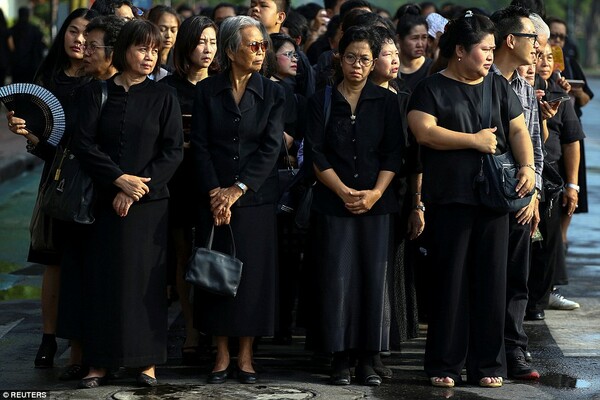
(351, 257)
(252, 311)
(124, 322)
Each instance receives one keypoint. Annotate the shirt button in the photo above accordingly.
(236, 158)
(355, 157)
(236, 120)
(236, 177)
(353, 140)
(235, 139)
(356, 175)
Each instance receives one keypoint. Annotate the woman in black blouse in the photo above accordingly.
(237, 130)
(468, 242)
(61, 73)
(131, 148)
(194, 53)
(355, 157)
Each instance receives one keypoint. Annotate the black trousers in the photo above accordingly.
(519, 241)
(545, 257)
(467, 289)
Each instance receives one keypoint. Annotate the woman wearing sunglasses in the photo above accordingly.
(237, 129)
(355, 155)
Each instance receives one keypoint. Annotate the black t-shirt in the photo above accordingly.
(448, 174)
(412, 80)
(563, 128)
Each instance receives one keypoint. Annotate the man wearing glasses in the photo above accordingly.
(516, 45)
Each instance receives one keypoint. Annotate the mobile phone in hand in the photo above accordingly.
(556, 97)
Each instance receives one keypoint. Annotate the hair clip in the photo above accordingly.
(469, 14)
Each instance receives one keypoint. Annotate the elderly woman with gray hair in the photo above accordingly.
(237, 131)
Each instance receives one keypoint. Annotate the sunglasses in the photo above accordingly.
(531, 36)
(558, 36)
(254, 46)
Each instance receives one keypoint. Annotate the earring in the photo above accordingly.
(459, 59)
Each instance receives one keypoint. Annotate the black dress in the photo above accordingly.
(352, 251)
(233, 142)
(139, 133)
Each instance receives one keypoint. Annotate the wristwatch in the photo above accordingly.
(420, 207)
(241, 186)
(573, 186)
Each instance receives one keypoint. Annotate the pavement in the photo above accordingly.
(565, 347)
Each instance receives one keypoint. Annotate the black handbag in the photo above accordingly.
(68, 193)
(288, 196)
(553, 185)
(213, 271)
(497, 178)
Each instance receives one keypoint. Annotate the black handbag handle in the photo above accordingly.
(212, 234)
(486, 104)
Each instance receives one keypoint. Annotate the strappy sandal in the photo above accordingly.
(491, 383)
(441, 382)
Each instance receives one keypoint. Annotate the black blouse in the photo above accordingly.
(139, 133)
(358, 149)
(448, 174)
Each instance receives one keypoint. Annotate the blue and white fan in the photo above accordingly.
(41, 110)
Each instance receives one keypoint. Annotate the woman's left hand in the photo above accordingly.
(526, 183)
(121, 204)
(365, 199)
(416, 224)
(224, 198)
(526, 214)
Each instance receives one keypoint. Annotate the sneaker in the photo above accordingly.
(559, 302)
(518, 368)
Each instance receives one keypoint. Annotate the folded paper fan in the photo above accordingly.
(40, 109)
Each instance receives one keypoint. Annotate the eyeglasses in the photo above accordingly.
(351, 59)
(529, 36)
(254, 46)
(290, 54)
(91, 48)
(559, 36)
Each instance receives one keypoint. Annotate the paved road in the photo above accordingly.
(566, 346)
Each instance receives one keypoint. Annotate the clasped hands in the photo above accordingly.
(221, 200)
(359, 201)
(133, 188)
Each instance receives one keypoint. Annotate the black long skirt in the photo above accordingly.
(252, 311)
(351, 257)
(124, 280)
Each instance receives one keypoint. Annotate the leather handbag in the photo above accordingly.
(497, 178)
(68, 193)
(213, 271)
(288, 199)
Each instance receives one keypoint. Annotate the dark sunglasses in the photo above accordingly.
(254, 46)
(559, 36)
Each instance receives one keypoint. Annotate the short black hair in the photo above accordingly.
(111, 26)
(407, 22)
(297, 26)
(222, 5)
(135, 33)
(555, 20)
(508, 20)
(107, 7)
(352, 4)
(359, 34)
(158, 11)
(407, 9)
(283, 5)
(535, 6)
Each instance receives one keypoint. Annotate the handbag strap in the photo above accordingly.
(212, 235)
(486, 103)
(327, 105)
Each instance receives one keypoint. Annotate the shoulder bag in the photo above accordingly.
(68, 193)
(497, 178)
(213, 271)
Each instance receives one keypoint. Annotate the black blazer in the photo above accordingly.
(139, 133)
(231, 143)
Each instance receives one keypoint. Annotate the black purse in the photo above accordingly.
(213, 271)
(288, 196)
(68, 193)
(497, 178)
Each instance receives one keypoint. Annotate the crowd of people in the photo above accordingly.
(381, 116)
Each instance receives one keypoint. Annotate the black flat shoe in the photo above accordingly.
(247, 377)
(144, 380)
(45, 355)
(366, 375)
(90, 383)
(218, 377)
(340, 378)
(534, 315)
(73, 372)
(380, 369)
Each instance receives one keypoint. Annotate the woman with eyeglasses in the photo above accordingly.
(355, 156)
(131, 148)
(193, 58)
(237, 129)
(62, 74)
